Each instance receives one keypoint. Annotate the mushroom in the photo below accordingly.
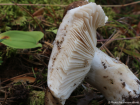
(74, 49)
(113, 78)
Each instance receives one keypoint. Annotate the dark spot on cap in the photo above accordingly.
(74, 84)
(105, 76)
(111, 81)
(120, 79)
(123, 84)
(129, 92)
(104, 65)
(58, 44)
(138, 82)
(135, 91)
(105, 88)
(120, 73)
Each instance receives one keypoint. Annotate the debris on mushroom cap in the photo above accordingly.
(113, 78)
(74, 5)
(74, 49)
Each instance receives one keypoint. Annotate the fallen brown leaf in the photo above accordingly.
(24, 79)
(39, 12)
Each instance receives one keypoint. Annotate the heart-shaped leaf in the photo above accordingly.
(21, 39)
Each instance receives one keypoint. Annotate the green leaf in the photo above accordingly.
(55, 31)
(21, 39)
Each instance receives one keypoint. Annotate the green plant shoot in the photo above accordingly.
(1, 60)
(132, 53)
(21, 39)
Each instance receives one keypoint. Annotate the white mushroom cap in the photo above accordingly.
(74, 49)
(113, 78)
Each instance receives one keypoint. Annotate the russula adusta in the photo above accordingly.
(74, 49)
(114, 79)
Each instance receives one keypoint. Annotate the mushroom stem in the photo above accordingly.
(113, 78)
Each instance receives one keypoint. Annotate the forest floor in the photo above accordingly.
(23, 73)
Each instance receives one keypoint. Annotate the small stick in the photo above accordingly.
(6, 96)
(49, 44)
(56, 5)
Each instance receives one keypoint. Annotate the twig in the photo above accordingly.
(3, 103)
(2, 91)
(128, 38)
(33, 5)
(54, 15)
(50, 14)
(121, 5)
(108, 39)
(127, 61)
(49, 44)
(108, 51)
(56, 5)
(43, 56)
(42, 83)
(33, 62)
(36, 87)
(1, 99)
(38, 57)
(78, 96)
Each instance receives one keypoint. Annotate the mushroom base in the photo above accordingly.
(50, 99)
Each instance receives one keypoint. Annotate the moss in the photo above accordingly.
(36, 98)
(110, 13)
